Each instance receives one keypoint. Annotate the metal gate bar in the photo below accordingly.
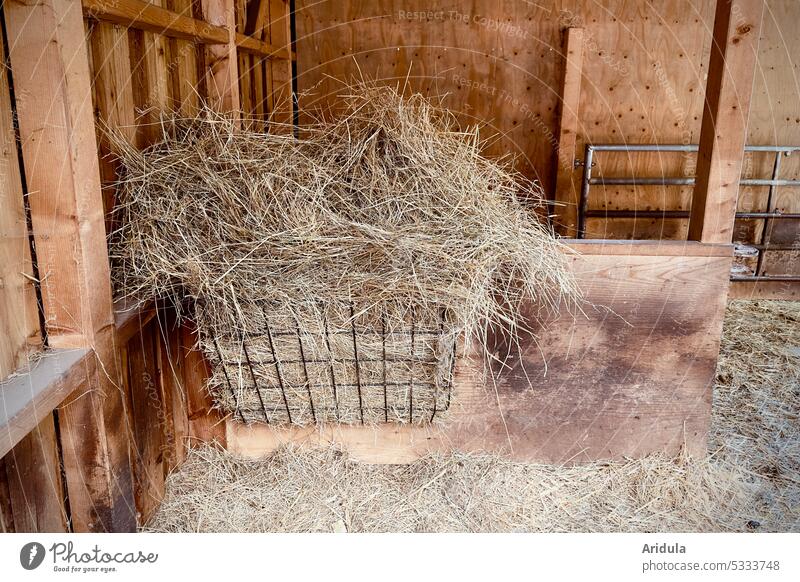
(768, 217)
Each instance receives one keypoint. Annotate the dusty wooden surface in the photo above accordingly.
(630, 375)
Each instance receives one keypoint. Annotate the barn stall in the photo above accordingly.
(602, 105)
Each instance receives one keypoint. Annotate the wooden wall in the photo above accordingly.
(133, 72)
(500, 64)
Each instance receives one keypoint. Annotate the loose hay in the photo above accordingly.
(750, 482)
(387, 219)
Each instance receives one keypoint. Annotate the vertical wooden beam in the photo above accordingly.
(206, 424)
(172, 369)
(19, 314)
(566, 195)
(113, 99)
(34, 482)
(255, 26)
(221, 59)
(731, 68)
(6, 513)
(280, 36)
(183, 63)
(151, 420)
(50, 65)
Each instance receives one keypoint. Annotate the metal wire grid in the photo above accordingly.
(282, 385)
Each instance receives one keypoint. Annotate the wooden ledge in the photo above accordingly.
(648, 248)
(129, 319)
(29, 397)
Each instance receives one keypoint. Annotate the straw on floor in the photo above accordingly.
(750, 481)
(384, 228)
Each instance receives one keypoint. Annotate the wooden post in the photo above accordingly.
(255, 26)
(222, 62)
(19, 315)
(566, 195)
(50, 66)
(280, 36)
(734, 51)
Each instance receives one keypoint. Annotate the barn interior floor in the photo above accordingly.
(749, 482)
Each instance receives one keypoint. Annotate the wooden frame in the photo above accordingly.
(150, 17)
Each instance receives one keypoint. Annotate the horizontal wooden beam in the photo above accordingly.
(775, 290)
(264, 49)
(145, 16)
(28, 398)
(152, 18)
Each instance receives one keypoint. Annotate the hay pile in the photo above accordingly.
(751, 482)
(384, 228)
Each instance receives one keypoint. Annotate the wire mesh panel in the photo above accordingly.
(347, 365)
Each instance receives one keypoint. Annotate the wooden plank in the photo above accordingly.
(567, 196)
(262, 25)
(650, 248)
(631, 375)
(183, 65)
(222, 76)
(246, 95)
(29, 397)
(149, 417)
(172, 362)
(150, 82)
(255, 26)
(19, 315)
(52, 80)
(206, 424)
(146, 16)
(731, 69)
(6, 514)
(774, 121)
(775, 290)
(34, 478)
(263, 49)
(113, 100)
(100, 491)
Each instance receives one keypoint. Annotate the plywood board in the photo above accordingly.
(630, 375)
